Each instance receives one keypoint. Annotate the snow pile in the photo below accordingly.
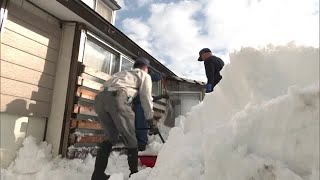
(261, 122)
(32, 156)
(153, 147)
(35, 162)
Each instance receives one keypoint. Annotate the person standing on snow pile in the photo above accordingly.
(213, 65)
(113, 106)
(140, 120)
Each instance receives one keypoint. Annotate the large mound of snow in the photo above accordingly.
(260, 123)
(35, 162)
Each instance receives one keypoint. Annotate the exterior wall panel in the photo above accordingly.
(23, 43)
(29, 53)
(24, 59)
(25, 74)
(30, 45)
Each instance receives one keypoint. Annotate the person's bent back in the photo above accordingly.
(113, 106)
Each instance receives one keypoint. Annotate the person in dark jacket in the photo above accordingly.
(213, 65)
(141, 124)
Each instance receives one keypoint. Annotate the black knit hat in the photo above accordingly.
(141, 61)
(204, 50)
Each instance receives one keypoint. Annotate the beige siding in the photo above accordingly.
(25, 90)
(21, 58)
(24, 106)
(22, 42)
(31, 17)
(30, 44)
(24, 74)
(20, 27)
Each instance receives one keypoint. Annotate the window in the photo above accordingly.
(156, 88)
(126, 64)
(100, 58)
(156, 85)
(104, 10)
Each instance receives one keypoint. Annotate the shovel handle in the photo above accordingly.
(158, 133)
(161, 137)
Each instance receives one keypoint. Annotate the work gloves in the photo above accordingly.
(209, 88)
(153, 127)
(165, 96)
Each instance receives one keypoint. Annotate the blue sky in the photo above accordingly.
(174, 31)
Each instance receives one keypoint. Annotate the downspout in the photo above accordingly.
(3, 13)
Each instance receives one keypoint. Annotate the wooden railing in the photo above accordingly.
(85, 129)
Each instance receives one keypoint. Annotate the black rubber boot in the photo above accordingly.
(141, 147)
(133, 160)
(101, 163)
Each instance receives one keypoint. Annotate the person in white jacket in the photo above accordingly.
(113, 106)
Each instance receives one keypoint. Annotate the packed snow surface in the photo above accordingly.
(260, 123)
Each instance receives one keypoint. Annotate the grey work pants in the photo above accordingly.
(116, 117)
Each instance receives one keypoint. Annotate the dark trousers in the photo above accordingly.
(140, 125)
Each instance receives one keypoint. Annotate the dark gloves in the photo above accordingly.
(209, 88)
(153, 128)
(165, 96)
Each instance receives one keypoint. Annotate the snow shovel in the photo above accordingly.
(162, 140)
(149, 160)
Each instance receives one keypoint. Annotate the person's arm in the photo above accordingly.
(155, 77)
(145, 90)
(210, 70)
(209, 67)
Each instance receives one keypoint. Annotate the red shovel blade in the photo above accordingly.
(148, 160)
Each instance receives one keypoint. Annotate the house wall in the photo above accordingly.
(30, 42)
(182, 102)
(101, 8)
(174, 85)
(184, 96)
(105, 11)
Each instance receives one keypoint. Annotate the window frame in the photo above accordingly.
(98, 41)
(128, 58)
(160, 88)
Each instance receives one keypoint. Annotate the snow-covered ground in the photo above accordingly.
(260, 123)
